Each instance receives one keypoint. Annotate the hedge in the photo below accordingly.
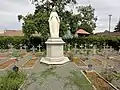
(95, 40)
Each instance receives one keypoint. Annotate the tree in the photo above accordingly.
(39, 20)
(87, 18)
(117, 28)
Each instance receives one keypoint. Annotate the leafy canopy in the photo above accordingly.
(117, 28)
(38, 22)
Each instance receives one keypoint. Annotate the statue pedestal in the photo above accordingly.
(55, 53)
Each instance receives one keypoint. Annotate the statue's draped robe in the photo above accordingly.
(54, 23)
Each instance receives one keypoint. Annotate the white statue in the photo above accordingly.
(54, 23)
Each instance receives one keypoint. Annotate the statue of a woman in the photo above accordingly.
(54, 23)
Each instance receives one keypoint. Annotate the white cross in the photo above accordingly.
(119, 49)
(75, 45)
(25, 47)
(104, 46)
(33, 49)
(91, 45)
(111, 49)
(69, 47)
(21, 47)
(39, 46)
(11, 47)
(107, 46)
(94, 49)
(75, 48)
(81, 46)
(85, 46)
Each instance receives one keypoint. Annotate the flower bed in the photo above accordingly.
(2, 57)
(99, 82)
(30, 63)
(7, 63)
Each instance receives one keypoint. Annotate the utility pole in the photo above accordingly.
(109, 23)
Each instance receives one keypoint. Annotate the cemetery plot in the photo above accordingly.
(3, 57)
(99, 82)
(7, 63)
(30, 63)
(97, 61)
(79, 62)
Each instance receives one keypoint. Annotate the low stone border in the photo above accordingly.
(88, 80)
(24, 82)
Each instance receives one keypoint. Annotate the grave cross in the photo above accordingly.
(20, 47)
(11, 47)
(119, 49)
(75, 48)
(107, 46)
(39, 46)
(104, 48)
(69, 47)
(81, 46)
(33, 49)
(25, 47)
(85, 46)
(94, 49)
(111, 49)
(91, 45)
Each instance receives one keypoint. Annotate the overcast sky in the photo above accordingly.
(9, 9)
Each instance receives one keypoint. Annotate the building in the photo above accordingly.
(81, 32)
(107, 33)
(12, 33)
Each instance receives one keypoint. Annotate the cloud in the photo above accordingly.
(102, 9)
(9, 9)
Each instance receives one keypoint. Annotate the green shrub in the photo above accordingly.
(12, 80)
(95, 40)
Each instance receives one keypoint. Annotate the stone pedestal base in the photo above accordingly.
(54, 52)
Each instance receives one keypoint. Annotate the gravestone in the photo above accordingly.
(75, 48)
(54, 45)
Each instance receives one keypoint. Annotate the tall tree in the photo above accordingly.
(117, 28)
(87, 19)
(39, 20)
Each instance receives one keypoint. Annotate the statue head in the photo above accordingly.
(54, 9)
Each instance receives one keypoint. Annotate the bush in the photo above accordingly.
(12, 80)
(95, 40)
